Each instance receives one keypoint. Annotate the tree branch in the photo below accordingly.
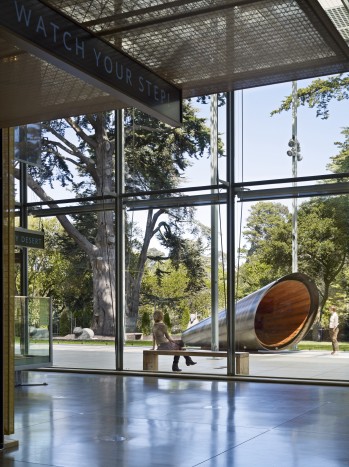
(78, 130)
(83, 243)
(58, 154)
(68, 146)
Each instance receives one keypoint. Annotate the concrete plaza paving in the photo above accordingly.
(287, 364)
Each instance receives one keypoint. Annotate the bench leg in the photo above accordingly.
(150, 362)
(242, 364)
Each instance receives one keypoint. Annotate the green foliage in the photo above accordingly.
(145, 323)
(220, 99)
(157, 154)
(78, 290)
(64, 324)
(61, 272)
(83, 317)
(318, 95)
(267, 253)
(267, 224)
(323, 240)
(339, 297)
(188, 253)
(185, 317)
(323, 244)
(167, 320)
(340, 162)
(253, 275)
(168, 291)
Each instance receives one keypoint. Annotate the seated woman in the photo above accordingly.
(164, 341)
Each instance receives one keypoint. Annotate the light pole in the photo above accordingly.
(295, 153)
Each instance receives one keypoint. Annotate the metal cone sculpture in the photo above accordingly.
(274, 317)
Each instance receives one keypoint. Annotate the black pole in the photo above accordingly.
(2, 440)
(230, 236)
(23, 193)
(120, 241)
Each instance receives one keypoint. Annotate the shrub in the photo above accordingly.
(167, 321)
(145, 323)
(64, 323)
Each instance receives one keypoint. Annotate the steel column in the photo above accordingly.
(214, 222)
(230, 150)
(2, 301)
(120, 239)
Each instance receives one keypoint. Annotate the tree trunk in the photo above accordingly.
(133, 297)
(103, 271)
(134, 283)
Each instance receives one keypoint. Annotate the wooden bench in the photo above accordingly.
(151, 360)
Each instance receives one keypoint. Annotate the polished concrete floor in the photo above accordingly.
(112, 420)
(305, 364)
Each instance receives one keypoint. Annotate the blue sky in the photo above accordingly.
(265, 138)
(265, 141)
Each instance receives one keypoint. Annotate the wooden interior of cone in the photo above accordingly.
(282, 313)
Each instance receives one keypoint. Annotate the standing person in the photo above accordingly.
(334, 329)
(164, 341)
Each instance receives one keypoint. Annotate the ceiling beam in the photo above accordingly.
(170, 18)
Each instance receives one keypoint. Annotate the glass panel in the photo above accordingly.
(263, 138)
(27, 143)
(175, 280)
(81, 279)
(169, 258)
(82, 290)
(286, 329)
(33, 337)
(77, 266)
(159, 157)
(162, 242)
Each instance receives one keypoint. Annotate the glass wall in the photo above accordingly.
(290, 218)
(33, 332)
(181, 277)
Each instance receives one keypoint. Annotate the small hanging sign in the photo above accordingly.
(25, 238)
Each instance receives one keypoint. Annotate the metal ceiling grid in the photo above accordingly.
(211, 46)
(59, 87)
(200, 46)
(32, 89)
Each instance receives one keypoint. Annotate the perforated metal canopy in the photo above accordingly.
(200, 46)
(33, 90)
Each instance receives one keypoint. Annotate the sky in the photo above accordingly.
(262, 139)
(262, 142)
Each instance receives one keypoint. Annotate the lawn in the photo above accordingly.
(303, 345)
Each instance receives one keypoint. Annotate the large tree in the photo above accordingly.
(318, 94)
(266, 255)
(340, 162)
(79, 154)
(323, 226)
(323, 243)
